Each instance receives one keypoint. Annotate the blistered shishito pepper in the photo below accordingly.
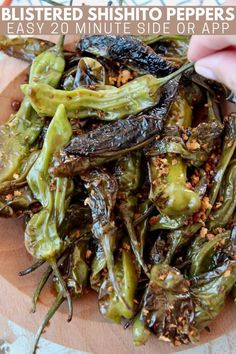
(110, 104)
(182, 236)
(89, 72)
(113, 140)
(222, 215)
(201, 140)
(24, 48)
(140, 332)
(128, 173)
(42, 238)
(98, 265)
(209, 292)
(129, 51)
(203, 253)
(20, 179)
(166, 222)
(102, 188)
(168, 175)
(126, 278)
(167, 299)
(21, 130)
(170, 193)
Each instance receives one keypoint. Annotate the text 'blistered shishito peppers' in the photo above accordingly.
(22, 129)
(109, 104)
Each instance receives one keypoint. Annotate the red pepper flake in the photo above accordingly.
(153, 220)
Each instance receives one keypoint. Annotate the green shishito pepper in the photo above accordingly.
(126, 276)
(110, 104)
(222, 215)
(41, 237)
(22, 129)
(171, 195)
(168, 175)
(128, 173)
(140, 332)
(182, 236)
(203, 253)
(23, 48)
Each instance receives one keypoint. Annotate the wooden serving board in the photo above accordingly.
(88, 331)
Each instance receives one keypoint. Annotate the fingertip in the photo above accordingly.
(204, 70)
(219, 66)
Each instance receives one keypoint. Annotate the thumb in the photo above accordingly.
(220, 66)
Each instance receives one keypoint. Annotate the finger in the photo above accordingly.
(202, 46)
(219, 66)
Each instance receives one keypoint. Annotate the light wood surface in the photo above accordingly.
(88, 331)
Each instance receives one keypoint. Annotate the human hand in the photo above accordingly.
(215, 57)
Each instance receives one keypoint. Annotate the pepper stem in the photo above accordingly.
(110, 266)
(134, 243)
(40, 287)
(164, 80)
(66, 294)
(60, 42)
(32, 268)
(55, 306)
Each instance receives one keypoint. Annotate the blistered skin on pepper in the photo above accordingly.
(115, 139)
(222, 215)
(168, 175)
(129, 51)
(126, 276)
(24, 48)
(170, 195)
(20, 132)
(110, 104)
(41, 237)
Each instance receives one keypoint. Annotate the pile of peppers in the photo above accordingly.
(122, 165)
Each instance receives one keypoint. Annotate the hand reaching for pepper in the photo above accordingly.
(215, 56)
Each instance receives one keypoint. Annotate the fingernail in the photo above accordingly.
(205, 71)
